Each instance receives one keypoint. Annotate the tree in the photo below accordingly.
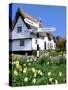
(61, 43)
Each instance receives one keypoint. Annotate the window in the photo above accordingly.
(36, 41)
(21, 42)
(19, 29)
(51, 46)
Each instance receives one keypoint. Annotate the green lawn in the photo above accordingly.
(50, 68)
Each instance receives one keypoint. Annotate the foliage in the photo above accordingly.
(32, 71)
(61, 43)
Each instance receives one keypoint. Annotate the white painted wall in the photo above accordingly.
(24, 34)
(34, 44)
(49, 43)
(27, 45)
(41, 43)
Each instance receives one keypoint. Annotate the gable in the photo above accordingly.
(21, 23)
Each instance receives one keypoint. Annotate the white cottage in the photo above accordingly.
(21, 39)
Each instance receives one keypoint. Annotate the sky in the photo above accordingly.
(51, 16)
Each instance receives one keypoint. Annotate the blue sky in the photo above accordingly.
(52, 16)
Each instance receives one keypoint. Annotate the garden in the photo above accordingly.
(50, 68)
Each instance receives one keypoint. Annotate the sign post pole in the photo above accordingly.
(38, 48)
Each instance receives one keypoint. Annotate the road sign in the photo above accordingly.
(47, 29)
(40, 30)
(31, 22)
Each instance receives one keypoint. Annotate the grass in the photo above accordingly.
(45, 70)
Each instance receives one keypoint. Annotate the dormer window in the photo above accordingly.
(19, 29)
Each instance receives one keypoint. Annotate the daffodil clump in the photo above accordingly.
(30, 71)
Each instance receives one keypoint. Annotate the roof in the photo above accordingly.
(23, 15)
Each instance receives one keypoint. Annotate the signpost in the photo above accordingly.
(39, 30)
(31, 22)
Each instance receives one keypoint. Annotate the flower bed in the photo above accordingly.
(29, 71)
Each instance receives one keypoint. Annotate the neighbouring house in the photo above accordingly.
(21, 39)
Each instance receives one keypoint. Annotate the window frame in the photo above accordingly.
(19, 29)
(21, 42)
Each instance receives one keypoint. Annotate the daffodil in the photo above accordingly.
(60, 74)
(35, 74)
(34, 80)
(50, 79)
(24, 70)
(29, 63)
(28, 60)
(47, 63)
(17, 64)
(41, 73)
(31, 59)
(49, 73)
(33, 70)
(15, 72)
(24, 65)
(26, 79)
(20, 68)
(56, 81)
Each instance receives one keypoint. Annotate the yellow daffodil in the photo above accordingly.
(28, 60)
(29, 63)
(50, 79)
(33, 70)
(15, 72)
(34, 80)
(60, 74)
(56, 81)
(17, 64)
(31, 59)
(47, 63)
(24, 70)
(20, 68)
(26, 79)
(35, 74)
(49, 73)
(24, 65)
(41, 73)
